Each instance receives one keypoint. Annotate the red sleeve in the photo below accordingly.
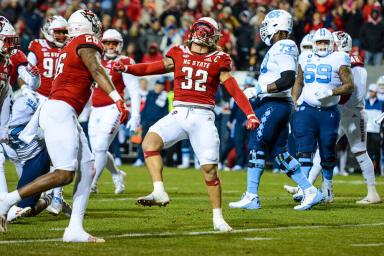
(18, 59)
(88, 41)
(151, 68)
(127, 60)
(32, 46)
(234, 90)
(225, 63)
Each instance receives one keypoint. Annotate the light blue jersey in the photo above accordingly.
(282, 56)
(320, 74)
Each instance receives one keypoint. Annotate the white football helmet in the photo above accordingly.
(84, 22)
(306, 43)
(322, 34)
(8, 38)
(52, 24)
(112, 35)
(343, 41)
(274, 21)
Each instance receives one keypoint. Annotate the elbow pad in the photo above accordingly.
(286, 80)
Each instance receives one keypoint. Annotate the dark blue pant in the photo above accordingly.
(272, 134)
(32, 169)
(317, 126)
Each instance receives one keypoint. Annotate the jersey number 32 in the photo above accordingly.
(194, 84)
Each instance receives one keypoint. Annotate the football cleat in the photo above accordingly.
(371, 199)
(138, 163)
(119, 181)
(3, 223)
(291, 189)
(248, 201)
(16, 212)
(221, 225)
(56, 206)
(67, 210)
(160, 199)
(80, 236)
(312, 197)
(327, 190)
(237, 168)
(298, 196)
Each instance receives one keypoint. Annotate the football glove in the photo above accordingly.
(119, 66)
(122, 107)
(252, 122)
(133, 123)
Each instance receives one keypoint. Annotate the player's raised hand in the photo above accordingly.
(123, 109)
(252, 122)
(119, 66)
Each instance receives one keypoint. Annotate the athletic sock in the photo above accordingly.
(314, 173)
(110, 165)
(3, 181)
(298, 177)
(158, 187)
(343, 161)
(306, 165)
(100, 162)
(253, 179)
(217, 213)
(327, 174)
(367, 168)
(12, 198)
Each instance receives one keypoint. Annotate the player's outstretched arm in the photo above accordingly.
(91, 59)
(143, 69)
(298, 85)
(346, 78)
(234, 90)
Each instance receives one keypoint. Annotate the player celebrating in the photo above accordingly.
(322, 77)
(199, 67)
(78, 66)
(43, 53)
(103, 121)
(277, 74)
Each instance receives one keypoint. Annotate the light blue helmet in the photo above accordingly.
(322, 34)
(274, 21)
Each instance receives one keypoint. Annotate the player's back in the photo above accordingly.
(72, 82)
(99, 97)
(282, 56)
(46, 57)
(320, 74)
(197, 76)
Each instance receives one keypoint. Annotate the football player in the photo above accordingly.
(199, 67)
(323, 76)
(306, 43)
(78, 66)
(43, 53)
(103, 121)
(13, 66)
(275, 106)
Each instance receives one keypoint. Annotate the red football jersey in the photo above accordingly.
(46, 55)
(73, 81)
(99, 97)
(8, 68)
(197, 76)
(356, 61)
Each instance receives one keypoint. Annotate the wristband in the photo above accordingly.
(115, 96)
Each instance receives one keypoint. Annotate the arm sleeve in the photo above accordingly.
(32, 58)
(286, 80)
(233, 89)
(144, 69)
(132, 84)
(31, 81)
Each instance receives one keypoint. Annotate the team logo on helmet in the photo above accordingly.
(91, 17)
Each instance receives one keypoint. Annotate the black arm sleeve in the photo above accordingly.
(286, 80)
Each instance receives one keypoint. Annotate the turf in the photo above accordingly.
(341, 228)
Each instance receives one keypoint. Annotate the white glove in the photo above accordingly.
(133, 123)
(252, 92)
(321, 95)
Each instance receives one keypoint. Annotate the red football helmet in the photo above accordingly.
(205, 31)
(8, 38)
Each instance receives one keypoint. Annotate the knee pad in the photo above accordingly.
(305, 159)
(256, 159)
(287, 163)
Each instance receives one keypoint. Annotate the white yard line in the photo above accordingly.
(199, 233)
(368, 245)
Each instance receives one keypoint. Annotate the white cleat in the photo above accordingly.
(312, 197)
(160, 199)
(291, 189)
(119, 181)
(248, 201)
(16, 212)
(327, 190)
(4, 208)
(298, 197)
(371, 199)
(221, 225)
(80, 236)
(138, 163)
(183, 166)
(56, 206)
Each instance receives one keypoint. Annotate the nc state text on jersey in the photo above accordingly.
(51, 54)
(199, 64)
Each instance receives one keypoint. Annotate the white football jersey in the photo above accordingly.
(356, 100)
(321, 73)
(282, 56)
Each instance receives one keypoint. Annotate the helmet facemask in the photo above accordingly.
(204, 34)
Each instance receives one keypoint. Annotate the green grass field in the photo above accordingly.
(184, 227)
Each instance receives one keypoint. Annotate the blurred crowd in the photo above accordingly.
(151, 27)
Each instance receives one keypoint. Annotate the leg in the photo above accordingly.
(3, 181)
(316, 168)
